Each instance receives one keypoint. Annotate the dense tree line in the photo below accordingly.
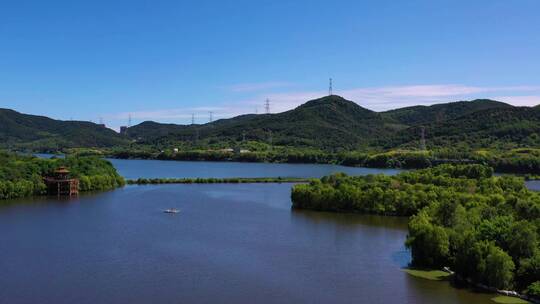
(484, 227)
(22, 176)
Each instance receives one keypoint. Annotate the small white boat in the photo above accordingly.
(171, 210)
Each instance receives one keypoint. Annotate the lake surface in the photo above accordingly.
(139, 168)
(533, 185)
(231, 243)
(132, 169)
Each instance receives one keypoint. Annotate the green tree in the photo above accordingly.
(522, 240)
(533, 290)
(429, 244)
(529, 270)
(499, 268)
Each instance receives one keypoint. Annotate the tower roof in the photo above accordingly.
(61, 170)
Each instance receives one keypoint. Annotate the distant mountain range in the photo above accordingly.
(501, 127)
(39, 132)
(326, 122)
(333, 122)
(417, 115)
(329, 123)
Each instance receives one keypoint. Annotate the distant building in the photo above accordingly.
(238, 150)
(175, 150)
(123, 130)
(60, 183)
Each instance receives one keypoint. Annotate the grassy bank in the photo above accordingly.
(508, 300)
(428, 274)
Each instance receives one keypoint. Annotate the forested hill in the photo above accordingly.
(417, 115)
(501, 127)
(39, 132)
(333, 123)
(328, 122)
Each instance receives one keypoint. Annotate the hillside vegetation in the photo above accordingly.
(334, 124)
(330, 124)
(327, 123)
(498, 128)
(43, 133)
(437, 113)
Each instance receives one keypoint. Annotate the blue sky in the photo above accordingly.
(164, 60)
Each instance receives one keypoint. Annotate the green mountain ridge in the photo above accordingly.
(330, 123)
(40, 132)
(327, 122)
(417, 115)
(503, 127)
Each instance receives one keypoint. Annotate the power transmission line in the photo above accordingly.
(267, 106)
(423, 138)
(330, 88)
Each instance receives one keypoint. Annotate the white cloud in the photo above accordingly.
(251, 87)
(530, 100)
(431, 91)
(176, 113)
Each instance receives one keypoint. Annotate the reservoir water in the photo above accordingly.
(231, 243)
(533, 185)
(132, 169)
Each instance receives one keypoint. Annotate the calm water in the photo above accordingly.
(132, 169)
(533, 185)
(48, 155)
(230, 244)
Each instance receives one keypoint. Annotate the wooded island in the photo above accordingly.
(484, 227)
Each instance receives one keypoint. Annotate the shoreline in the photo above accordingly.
(447, 275)
(411, 160)
(233, 180)
(336, 162)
